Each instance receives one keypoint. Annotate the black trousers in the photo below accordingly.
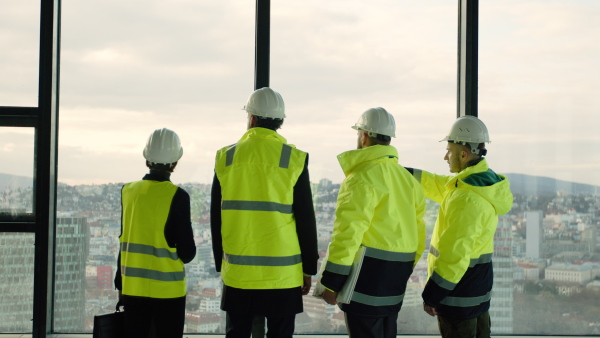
(239, 325)
(166, 316)
(371, 327)
(479, 327)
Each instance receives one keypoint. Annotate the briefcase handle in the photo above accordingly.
(118, 307)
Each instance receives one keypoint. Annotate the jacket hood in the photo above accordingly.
(485, 182)
(350, 159)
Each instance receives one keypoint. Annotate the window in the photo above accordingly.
(16, 175)
(186, 66)
(536, 77)
(19, 41)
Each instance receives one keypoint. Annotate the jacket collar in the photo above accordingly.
(157, 175)
(350, 159)
(478, 168)
(264, 133)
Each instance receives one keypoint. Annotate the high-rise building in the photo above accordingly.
(535, 233)
(16, 277)
(501, 309)
(588, 236)
(16, 281)
(104, 277)
(72, 247)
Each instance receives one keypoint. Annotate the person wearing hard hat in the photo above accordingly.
(263, 223)
(380, 207)
(156, 241)
(459, 261)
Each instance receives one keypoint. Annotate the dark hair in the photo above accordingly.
(382, 140)
(268, 123)
(467, 147)
(168, 167)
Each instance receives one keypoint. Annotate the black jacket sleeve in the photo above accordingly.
(333, 281)
(118, 280)
(215, 222)
(178, 230)
(306, 225)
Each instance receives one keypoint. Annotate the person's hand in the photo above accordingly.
(430, 310)
(306, 286)
(330, 297)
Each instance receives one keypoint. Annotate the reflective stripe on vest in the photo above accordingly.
(434, 251)
(262, 260)
(390, 255)
(149, 250)
(176, 276)
(439, 280)
(376, 301)
(383, 255)
(256, 206)
(485, 258)
(284, 158)
(229, 156)
(338, 268)
(466, 301)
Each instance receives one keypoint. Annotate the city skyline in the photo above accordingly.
(520, 184)
(569, 252)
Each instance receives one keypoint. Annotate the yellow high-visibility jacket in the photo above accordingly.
(260, 244)
(149, 267)
(462, 243)
(380, 206)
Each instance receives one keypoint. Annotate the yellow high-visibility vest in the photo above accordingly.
(260, 244)
(149, 267)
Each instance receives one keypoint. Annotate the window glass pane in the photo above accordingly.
(333, 60)
(16, 173)
(16, 282)
(19, 42)
(183, 65)
(538, 74)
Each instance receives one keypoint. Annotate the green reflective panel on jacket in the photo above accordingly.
(149, 267)
(260, 244)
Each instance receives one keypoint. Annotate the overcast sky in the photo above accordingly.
(130, 67)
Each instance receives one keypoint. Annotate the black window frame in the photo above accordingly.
(44, 120)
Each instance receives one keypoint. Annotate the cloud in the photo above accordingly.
(130, 67)
(16, 151)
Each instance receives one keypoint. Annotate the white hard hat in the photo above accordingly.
(163, 147)
(377, 121)
(266, 102)
(469, 129)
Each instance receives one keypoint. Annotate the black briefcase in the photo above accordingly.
(111, 325)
